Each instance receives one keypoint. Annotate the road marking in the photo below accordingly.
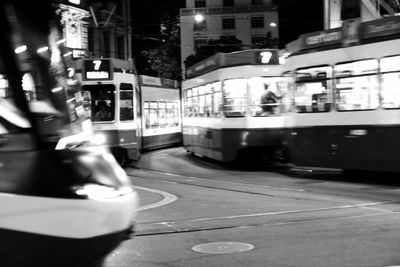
(168, 198)
(286, 212)
(222, 247)
(218, 181)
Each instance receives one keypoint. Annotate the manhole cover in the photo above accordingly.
(222, 247)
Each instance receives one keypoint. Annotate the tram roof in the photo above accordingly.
(353, 32)
(239, 58)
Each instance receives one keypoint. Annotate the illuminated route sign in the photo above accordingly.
(99, 69)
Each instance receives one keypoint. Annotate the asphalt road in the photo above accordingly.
(196, 212)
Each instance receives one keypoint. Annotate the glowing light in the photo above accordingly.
(60, 41)
(57, 89)
(98, 192)
(198, 18)
(272, 24)
(99, 139)
(76, 2)
(67, 54)
(20, 49)
(43, 49)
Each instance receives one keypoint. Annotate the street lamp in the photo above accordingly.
(198, 18)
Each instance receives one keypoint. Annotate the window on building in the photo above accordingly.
(120, 47)
(256, 2)
(200, 26)
(357, 85)
(257, 21)
(257, 41)
(228, 23)
(228, 3)
(200, 3)
(199, 42)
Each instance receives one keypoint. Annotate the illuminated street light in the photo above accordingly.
(42, 49)
(198, 18)
(272, 24)
(20, 49)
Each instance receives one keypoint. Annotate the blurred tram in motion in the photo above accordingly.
(346, 96)
(129, 112)
(62, 203)
(224, 117)
(161, 110)
(111, 96)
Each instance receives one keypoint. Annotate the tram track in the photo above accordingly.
(267, 219)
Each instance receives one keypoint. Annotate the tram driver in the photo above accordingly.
(103, 111)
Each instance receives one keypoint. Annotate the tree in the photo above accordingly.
(225, 44)
(164, 60)
(270, 42)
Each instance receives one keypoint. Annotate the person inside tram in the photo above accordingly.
(103, 111)
(269, 100)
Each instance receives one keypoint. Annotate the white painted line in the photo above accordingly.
(351, 206)
(168, 198)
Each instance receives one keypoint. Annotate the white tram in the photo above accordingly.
(112, 98)
(223, 115)
(161, 111)
(345, 90)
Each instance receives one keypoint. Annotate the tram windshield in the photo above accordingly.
(99, 101)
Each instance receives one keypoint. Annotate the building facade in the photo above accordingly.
(96, 28)
(338, 11)
(247, 20)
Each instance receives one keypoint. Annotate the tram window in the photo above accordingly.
(257, 90)
(390, 92)
(99, 100)
(312, 91)
(189, 104)
(153, 114)
(162, 114)
(208, 100)
(284, 86)
(235, 97)
(172, 115)
(217, 99)
(357, 85)
(195, 103)
(126, 102)
(147, 114)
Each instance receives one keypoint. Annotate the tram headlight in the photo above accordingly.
(99, 192)
(99, 139)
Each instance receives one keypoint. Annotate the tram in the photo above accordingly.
(129, 112)
(346, 102)
(62, 202)
(224, 118)
(161, 110)
(112, 99)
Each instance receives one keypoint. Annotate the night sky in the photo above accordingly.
(295, 17)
